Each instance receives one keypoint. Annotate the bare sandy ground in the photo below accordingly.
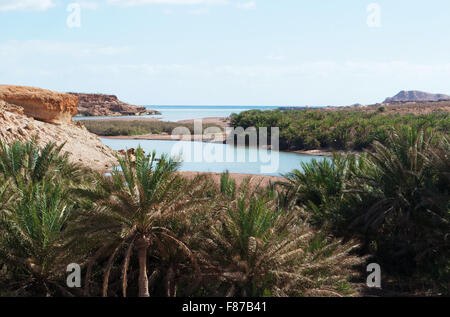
(323, 153)
(218, 121)
(222, 122)
(261, 180)
(169, 137)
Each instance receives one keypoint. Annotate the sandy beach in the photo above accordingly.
(169, 137)
(324, 153)
(261, 180)
(222, 122)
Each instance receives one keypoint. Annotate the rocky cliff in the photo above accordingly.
(41, 104)
(416, 96)
(30, 112)
(107, 105)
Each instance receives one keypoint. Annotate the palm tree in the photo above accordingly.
(255, 249)
(30, 163)
(138, 207)
(325, 189)
(6, 195)
(36, 202)
(408, 201)
(32, 238)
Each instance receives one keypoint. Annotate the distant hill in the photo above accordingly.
(415, 96)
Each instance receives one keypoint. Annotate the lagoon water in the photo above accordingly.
(244, 160)
(178, 113)
(257, 161)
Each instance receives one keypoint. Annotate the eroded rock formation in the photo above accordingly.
(41, 104)
(107, 105)
(84, 147)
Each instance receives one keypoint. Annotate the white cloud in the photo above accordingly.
(200, 11)
(132, 3)
(75, 49)
(246, 5)
(42, 5)
(313, 69)
(25, 5)
(326, 69)
(276, 57)
(88, 5)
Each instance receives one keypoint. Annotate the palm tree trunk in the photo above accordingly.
(142, 246)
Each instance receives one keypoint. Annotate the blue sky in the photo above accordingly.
(228, 52)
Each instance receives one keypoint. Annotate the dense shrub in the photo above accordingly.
(339, 130)
(123, 127)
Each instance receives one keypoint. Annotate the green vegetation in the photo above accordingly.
(338, 130)
(395, 200)
(36, 209)
(145, 230)
(259, 248)
(134, 127)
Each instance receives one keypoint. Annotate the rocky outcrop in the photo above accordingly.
(84, 147)
(107, 105)
(41, 104)
(416, 96)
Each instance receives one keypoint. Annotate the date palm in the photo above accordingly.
(409, 198)
(137, 208)
(325, 189)
(36, 202)
(7, 196)
(256, 249)
(32, 238)
(27, 162)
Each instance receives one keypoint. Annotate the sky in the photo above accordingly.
(228, 52)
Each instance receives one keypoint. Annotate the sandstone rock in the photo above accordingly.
(107, 106)
(41, 104)
(83, 146)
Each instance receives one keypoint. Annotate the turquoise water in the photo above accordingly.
(178, 113)
(213, 157)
